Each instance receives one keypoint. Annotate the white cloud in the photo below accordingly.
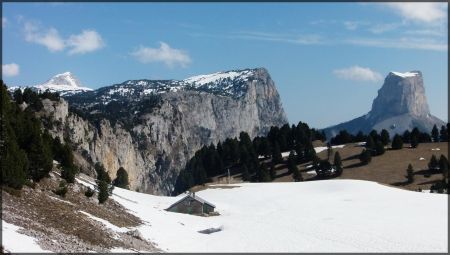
(421, 12)
(4, 22)
(86, 41)
(49, 38)
(165, 54)
(357, 73)
(9, 70)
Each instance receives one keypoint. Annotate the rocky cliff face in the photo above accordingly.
(401, 104)
(189, 114)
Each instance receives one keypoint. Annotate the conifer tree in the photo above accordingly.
(276, 154)
(410, 174)
(272, 172)
(414, 141)
(245, 173)
(443, 134)
(397, 142)
(121, 180)
(385, 137)
(433, 164)
(379, 148)
(435, 134)
(365, 157)
(263, 173)
(338, 163)
(102, 191)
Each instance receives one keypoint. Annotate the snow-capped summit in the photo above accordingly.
(64, 83)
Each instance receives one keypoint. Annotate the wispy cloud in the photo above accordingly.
(400, 43)
(294, 38)
(4, 22)
(358, 73)
(380, 28)
(420, 12)
(164, 54)
(10, 70)
(86, 41)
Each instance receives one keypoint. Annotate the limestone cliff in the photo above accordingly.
(159, 141)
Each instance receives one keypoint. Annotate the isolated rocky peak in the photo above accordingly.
(63, 79)
(401, 105)
(401, 93)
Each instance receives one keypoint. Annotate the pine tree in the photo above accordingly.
(18, 96)
(263, 174)
(370, 144)
(245, 173)
(443, 163)
(365, 157)
(410, 174)
(338, 163)
(291, 161)
(379, 148)
(435, 134)
(406, 136)
(397, 142)
(296, 175)
(433, 164)
(102, 191)
(385, 137)
(329, 150)
(276, 154)
(414, 141)
(443, 134)
(121, 180)
(272, 172)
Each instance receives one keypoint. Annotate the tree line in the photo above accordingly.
(413, 137)
(243, 156)
(28, 150)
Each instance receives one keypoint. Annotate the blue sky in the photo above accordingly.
(328, 60)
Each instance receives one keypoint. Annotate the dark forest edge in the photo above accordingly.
(28, 150)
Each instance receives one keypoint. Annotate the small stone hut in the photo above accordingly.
(192, 204)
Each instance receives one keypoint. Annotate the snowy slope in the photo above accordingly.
(319, 216)
(13, 241)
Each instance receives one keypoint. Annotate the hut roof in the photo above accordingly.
(195, 197)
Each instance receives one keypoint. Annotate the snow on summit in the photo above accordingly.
(200, 80)
(64, 82)
(405, 75)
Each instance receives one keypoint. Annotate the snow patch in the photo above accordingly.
(15, 242)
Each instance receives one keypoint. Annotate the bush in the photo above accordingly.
(102, 191)
(89, 192)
